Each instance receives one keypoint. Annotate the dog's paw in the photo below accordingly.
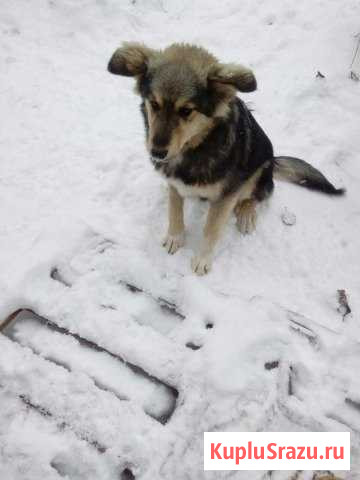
(201, 265)
(172, 243)
(246, 217)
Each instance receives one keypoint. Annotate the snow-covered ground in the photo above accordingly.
(158, 356)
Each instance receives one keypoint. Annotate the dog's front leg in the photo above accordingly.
(218, 215)
(175, 237)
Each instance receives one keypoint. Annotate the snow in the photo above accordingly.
(78, 194)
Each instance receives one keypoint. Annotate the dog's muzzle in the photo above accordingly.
(157, 162)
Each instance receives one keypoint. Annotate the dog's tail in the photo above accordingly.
(295, 170)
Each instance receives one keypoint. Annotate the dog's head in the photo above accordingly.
(184, 90)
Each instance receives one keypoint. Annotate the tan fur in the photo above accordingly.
(245, 212)
(175, 235)
(222, 110)
(151, 120)
(176, 212)
(150, 114)
(245, 209)
(217, 218)
(197, 133)
(218, 215)
(190, 133)
(159, 99)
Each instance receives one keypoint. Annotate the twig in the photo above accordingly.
(355, 75)
(356, 50)
(343, 307)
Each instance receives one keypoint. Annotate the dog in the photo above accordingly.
(204, 140)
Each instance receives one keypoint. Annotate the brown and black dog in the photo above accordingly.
(204, 140)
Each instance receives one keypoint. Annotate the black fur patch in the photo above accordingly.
(205, 100)
(144, 85)
(265, 184)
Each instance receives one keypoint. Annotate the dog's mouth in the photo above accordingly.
(158, 162)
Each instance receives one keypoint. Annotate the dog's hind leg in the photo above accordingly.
(245, 212)
(245, 209)
(175, 237)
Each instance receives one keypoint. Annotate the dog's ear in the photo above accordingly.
(130, 60)
(237, 76)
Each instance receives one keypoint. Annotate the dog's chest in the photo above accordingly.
(191, 183)
(210, 192)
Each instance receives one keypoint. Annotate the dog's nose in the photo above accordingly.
(161, 154)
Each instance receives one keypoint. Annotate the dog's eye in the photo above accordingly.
(185, 112)
(155, 106)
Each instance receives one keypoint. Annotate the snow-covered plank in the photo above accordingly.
(108, 372)
(73, 399)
